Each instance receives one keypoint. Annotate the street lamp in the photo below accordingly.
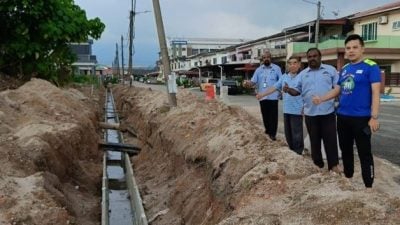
(318, 4)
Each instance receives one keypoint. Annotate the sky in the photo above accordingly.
(247, 19)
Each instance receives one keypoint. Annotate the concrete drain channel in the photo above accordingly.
(121, 202)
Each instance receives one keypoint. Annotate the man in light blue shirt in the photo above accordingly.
(265, 76)
(317, 80)
(292, 106)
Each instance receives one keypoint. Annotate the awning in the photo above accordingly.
(187, 72)
(244, 50)
(247, 67)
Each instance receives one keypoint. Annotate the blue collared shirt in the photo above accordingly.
(265, 77)
(317, 82)
(291, 104)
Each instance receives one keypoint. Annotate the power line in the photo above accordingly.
(132, 15)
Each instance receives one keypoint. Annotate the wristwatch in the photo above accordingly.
(375, 117)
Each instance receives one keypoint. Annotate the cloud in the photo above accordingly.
(250, 19)
(219, 25)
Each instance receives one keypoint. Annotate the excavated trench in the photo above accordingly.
(175, 189)
(53, 170)
(200, 163)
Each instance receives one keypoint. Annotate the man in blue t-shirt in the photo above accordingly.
(357, 115)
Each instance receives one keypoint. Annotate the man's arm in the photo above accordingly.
(269, 91)
(276, 87)
(373, 122)
(290, 91)
(248, 84)
(328, 96)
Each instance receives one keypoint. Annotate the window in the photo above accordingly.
(369, 31)
(214, 61)
(195, 51)
(224, 59)
(396, 25)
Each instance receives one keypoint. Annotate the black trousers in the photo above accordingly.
(293, 125)
(269, 112)
(356, 129)
(323, 128)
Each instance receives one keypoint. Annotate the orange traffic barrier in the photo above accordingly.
(210, 91)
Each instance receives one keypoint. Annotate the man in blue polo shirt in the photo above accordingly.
(265, 76)
(292, 106)
(357, 115)
(318, 79)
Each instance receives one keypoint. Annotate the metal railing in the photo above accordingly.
(382, 41)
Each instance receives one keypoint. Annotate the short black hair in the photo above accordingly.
(314, 49)
(298, 58)
(353, 37)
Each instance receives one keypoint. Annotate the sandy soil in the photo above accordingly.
(207, 163)
(50, 166)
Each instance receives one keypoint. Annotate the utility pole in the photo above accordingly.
(316, 34)
(317, 24)
(163, 49)
(122, 58)
(131, 21)
(117, 60)
(132, 15)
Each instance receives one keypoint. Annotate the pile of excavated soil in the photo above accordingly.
(203, 162)
(50, 166)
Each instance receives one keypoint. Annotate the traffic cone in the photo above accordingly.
(210, 91)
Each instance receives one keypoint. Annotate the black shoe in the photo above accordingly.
(272, 137)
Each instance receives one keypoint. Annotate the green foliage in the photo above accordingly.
(34, 37)
(110, 80)
(183, 81)
(84, 79)
(178, 82)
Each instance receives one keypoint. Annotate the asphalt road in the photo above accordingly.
(385, 143)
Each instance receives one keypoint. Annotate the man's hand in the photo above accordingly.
(374, 124)
(259, 96)
(316, 100)
(247, 84)
(285, 88)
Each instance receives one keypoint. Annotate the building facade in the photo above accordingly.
(86, 62)
(380, 27)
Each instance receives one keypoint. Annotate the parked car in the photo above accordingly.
(234, 87)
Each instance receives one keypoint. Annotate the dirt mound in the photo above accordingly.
(207, 163)
(50, 164)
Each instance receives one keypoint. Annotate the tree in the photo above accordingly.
(34, 36)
